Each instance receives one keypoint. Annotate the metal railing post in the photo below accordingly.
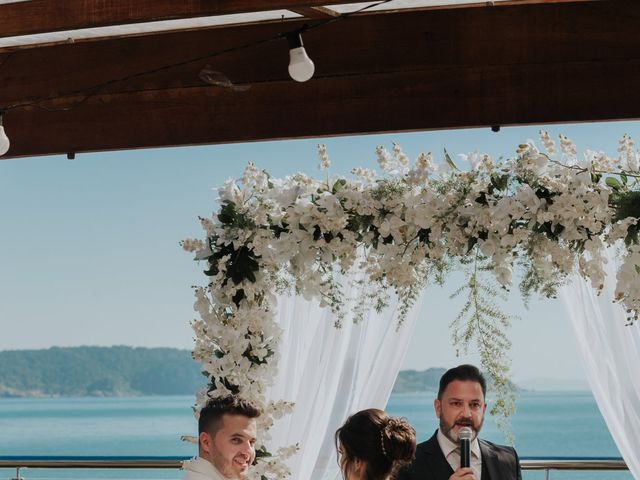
(18, 476)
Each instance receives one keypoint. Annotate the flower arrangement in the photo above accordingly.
(544, 213)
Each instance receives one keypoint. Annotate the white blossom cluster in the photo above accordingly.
(301, 234)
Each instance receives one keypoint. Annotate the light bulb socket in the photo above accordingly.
(295, 40)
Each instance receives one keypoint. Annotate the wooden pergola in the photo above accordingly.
(489, 64)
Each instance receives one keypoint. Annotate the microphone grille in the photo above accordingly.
(465, 433)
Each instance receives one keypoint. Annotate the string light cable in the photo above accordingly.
(95, 89)
(301, 68)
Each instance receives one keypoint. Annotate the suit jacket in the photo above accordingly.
(500, 462)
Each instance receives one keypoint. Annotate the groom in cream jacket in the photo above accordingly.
(226, 440)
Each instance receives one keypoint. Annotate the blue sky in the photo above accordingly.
(90, 252)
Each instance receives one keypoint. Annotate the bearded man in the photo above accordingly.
(461, 403)
(226, 440)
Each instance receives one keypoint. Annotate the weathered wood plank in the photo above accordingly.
(315, 12)
(532, 34)
(39, 16)
(438, 98)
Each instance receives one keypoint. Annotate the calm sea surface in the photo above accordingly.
(546, 424)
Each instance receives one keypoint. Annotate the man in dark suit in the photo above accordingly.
(461, 403)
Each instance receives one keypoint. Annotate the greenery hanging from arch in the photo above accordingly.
(539, 212)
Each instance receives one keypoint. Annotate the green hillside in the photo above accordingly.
(127, 371)
(98, 371)
(418, 381)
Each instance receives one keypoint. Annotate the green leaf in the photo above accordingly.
(624, 178)
(339, 185)
(227, 213)
(500, 181)
(447, 159)
(249, 275)
(471, 242)
(543, 192)
(238, 297)
(423, 235)
(482, 199)
(613, 183)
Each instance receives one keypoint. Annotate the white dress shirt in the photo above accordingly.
(451, 452)
(201, 469)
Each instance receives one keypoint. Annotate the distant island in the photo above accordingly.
(128, 371)
(418, 381)
(98, 371)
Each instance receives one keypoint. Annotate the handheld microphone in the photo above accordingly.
(465, 446)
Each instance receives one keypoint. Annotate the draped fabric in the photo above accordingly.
(610, 352)
(331, 373)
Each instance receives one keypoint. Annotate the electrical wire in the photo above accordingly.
(89, 92)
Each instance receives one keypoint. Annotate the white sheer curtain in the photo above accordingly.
(331, 373)
(611, 357)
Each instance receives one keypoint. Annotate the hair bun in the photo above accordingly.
(399, 440)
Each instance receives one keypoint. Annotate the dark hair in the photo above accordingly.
(384, 443)
(212, 412)
(462, 373)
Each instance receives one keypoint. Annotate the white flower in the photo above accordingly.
(365, 173)
(192, 245)
(391, 225)
(384, 160)
(474, 159)
(207, 225)
(230, 192)
(531, 160)
(324, 157)
(620, 229)
(549, 145)
(567, 147)
(489, 246)
(400, 157)
(628, 157)
(425, 162)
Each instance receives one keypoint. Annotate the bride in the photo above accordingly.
(373, 446)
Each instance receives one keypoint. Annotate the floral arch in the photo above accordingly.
(544, 213)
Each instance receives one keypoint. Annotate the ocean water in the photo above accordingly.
(546, 424)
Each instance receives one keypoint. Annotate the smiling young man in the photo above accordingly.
(461, 403)
(226, 440)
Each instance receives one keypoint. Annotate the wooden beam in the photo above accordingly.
(532, 34)
(417, 70)
(419, 100)
(315, 12)
(40, 16)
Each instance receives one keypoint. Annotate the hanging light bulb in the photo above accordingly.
(4, 140)
(301, 67)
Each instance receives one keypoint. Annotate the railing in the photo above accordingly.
(547, 464)
(92, 462)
